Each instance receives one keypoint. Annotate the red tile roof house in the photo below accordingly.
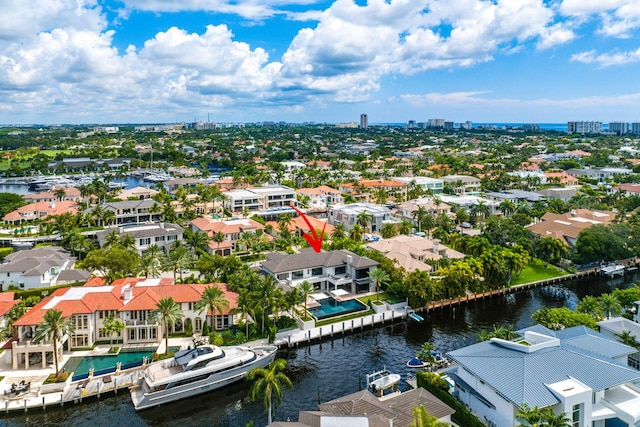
(232, 229)
(131, 300)
(40, 210)
(6, 304)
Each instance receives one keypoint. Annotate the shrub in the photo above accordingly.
(240, 338)
(286, 322)
(62, 377)
(114, 350)
(4, 252)
(216, 338)
(434, 384)
(32, 300)
(227, 336)
(205, 329)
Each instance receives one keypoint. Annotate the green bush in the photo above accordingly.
(216, 338)
(4, 252)
(188, 328)
(286, 322)
(32, 300)
(228, 337)
(240, 338)
(206, 330)
(439, 388)
(114, 350)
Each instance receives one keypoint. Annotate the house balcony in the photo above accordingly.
(621, 402)
(340, 280)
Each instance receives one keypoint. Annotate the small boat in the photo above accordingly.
(382, 380)
(440, 361)
(416, 317)
(612, 269)
(197, 370)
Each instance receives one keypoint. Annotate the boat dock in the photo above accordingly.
(41, 398)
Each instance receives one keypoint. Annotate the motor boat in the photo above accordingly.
(198, 369)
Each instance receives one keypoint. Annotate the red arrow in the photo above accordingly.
(315, 242)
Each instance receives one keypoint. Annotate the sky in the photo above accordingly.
(239, 61)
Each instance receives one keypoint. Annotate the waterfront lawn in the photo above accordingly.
(535, 271)
(344, 318)
(373, 298)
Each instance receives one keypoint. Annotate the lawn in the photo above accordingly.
(535, 271)
(373, 298)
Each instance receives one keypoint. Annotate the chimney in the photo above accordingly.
(435, 247)
(128, 293)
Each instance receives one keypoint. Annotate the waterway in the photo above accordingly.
(328, 370)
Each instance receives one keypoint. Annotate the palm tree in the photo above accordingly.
(178, 259)
(53, 328)
(356, 233)
(365, 219)
(610, 305)
(152, 261)
(112, 325)
(388, 230)
(213, 299)
(168, 311)
(507, 207)
(379, 277)
(60, 193)
(339, 231)
(425, 353)
(218, 237)
(531, 416)
(306, 289)
(421, 418)
(628, 339)
(418, 216)
(269, 380)
(559, 420)
(404, 227)
(591, 306)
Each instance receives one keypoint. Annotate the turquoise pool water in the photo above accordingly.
(329, 307)
(103, 364)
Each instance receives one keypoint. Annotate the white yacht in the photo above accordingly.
(197, 370)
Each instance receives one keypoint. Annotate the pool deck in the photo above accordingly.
(41, 397)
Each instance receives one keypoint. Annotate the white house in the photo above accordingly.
(327, 271)
(348, 215)
(144, 235)
(35, 268)
(576, 371)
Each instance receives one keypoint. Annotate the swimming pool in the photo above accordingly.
(104, 364)
(330, 307)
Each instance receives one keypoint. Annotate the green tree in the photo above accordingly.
(53, 328)
(590, 306)
(379, 277)
(306, 289)
(364, 219)
(388, 230)
(214, 300)
(169, 312)
(421, 418)
(112, 325)
(269, 381)
(610, 305)
(599, 243)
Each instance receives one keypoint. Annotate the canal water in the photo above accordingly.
(330, 369)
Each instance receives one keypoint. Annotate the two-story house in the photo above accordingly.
(131, 300)
(577, 372)
(259, 198)
(232, 229)
(144, 235)
(135, 211)
(348, 215)
(35, 268)
(327, 271)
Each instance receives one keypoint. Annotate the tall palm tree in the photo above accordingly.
(306, 289)
(356, 233)
(213, 299)
(627, 338)
(418, 216)
(178, 259)
(218, 237)
(591, 306)
(339, 231)
(388, 230)
(112, 325)
(532, 416)
(610, 305)
(269, 381)
(168, 311)
(379, 277)
(365, 219)
(421, 418)
(53, 328)
(507, 207)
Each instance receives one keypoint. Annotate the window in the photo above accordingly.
(316, 271)
(297, 274)
(341, 270)
(576, 415)
(198, 324)
(283, 276)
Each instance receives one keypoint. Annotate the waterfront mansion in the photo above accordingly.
(131, 300)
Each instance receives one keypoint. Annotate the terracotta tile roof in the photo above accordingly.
(212, 226)
(41, 210)
(322, 189)
(89, 299)
(7, 302)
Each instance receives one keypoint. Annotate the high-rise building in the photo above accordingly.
(584, 127)
(620, 128)
(436, 123)
(466, 125)
(635, 128)
(364, 121)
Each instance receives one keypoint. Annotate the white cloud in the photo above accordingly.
(607, 59)
(618, 18)
(20, 19)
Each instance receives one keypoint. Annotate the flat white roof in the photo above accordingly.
(74, 294)
(569, 387)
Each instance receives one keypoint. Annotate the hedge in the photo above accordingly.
(4, 252)
(25, 293)
(439, 388)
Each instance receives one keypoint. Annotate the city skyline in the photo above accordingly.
(154, 61)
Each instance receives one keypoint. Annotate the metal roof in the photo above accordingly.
(522, 377)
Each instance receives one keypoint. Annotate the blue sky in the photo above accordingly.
(153, 61)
